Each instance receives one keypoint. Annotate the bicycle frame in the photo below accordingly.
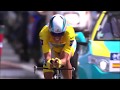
(57, 74)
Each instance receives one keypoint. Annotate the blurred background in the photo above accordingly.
(19, 39)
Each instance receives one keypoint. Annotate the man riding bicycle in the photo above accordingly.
(58, 42)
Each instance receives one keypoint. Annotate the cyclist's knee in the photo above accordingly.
(48, 75)
(69, 58)
(46, 70)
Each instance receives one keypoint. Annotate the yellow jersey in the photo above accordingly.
(65, 44)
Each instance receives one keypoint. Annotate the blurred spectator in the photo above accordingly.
(2, 14)
(10, 22)
(23, 35)
(16, 26)
(36, 22)
(16, 22)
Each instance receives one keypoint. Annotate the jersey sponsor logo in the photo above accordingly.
(71, 42)
(57, 45)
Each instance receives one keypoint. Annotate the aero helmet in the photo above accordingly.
(57, 25)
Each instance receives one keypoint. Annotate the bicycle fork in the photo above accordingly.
(57, 74)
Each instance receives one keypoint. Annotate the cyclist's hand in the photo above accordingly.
(49, 64)
(57, 63)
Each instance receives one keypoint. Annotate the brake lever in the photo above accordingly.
(35, 68)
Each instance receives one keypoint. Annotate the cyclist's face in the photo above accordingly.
(57, 39)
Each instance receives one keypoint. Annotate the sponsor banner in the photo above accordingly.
(114, 64)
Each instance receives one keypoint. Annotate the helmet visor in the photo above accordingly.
(57, 34)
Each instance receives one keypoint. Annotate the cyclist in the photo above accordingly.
(58, 40)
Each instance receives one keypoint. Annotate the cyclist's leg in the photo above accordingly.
(67, 74)
(48, 74)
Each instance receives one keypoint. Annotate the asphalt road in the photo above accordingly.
(12, 68)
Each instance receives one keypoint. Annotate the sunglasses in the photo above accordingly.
(57, 34)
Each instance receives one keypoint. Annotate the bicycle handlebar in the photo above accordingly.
(39, 68)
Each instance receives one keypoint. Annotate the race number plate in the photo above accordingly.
(114, 65)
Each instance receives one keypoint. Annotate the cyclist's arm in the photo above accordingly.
(47, 56)
(64, 57)
(46, 50)
(67, 50)
(44, 42)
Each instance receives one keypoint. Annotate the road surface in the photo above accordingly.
(12, 68)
